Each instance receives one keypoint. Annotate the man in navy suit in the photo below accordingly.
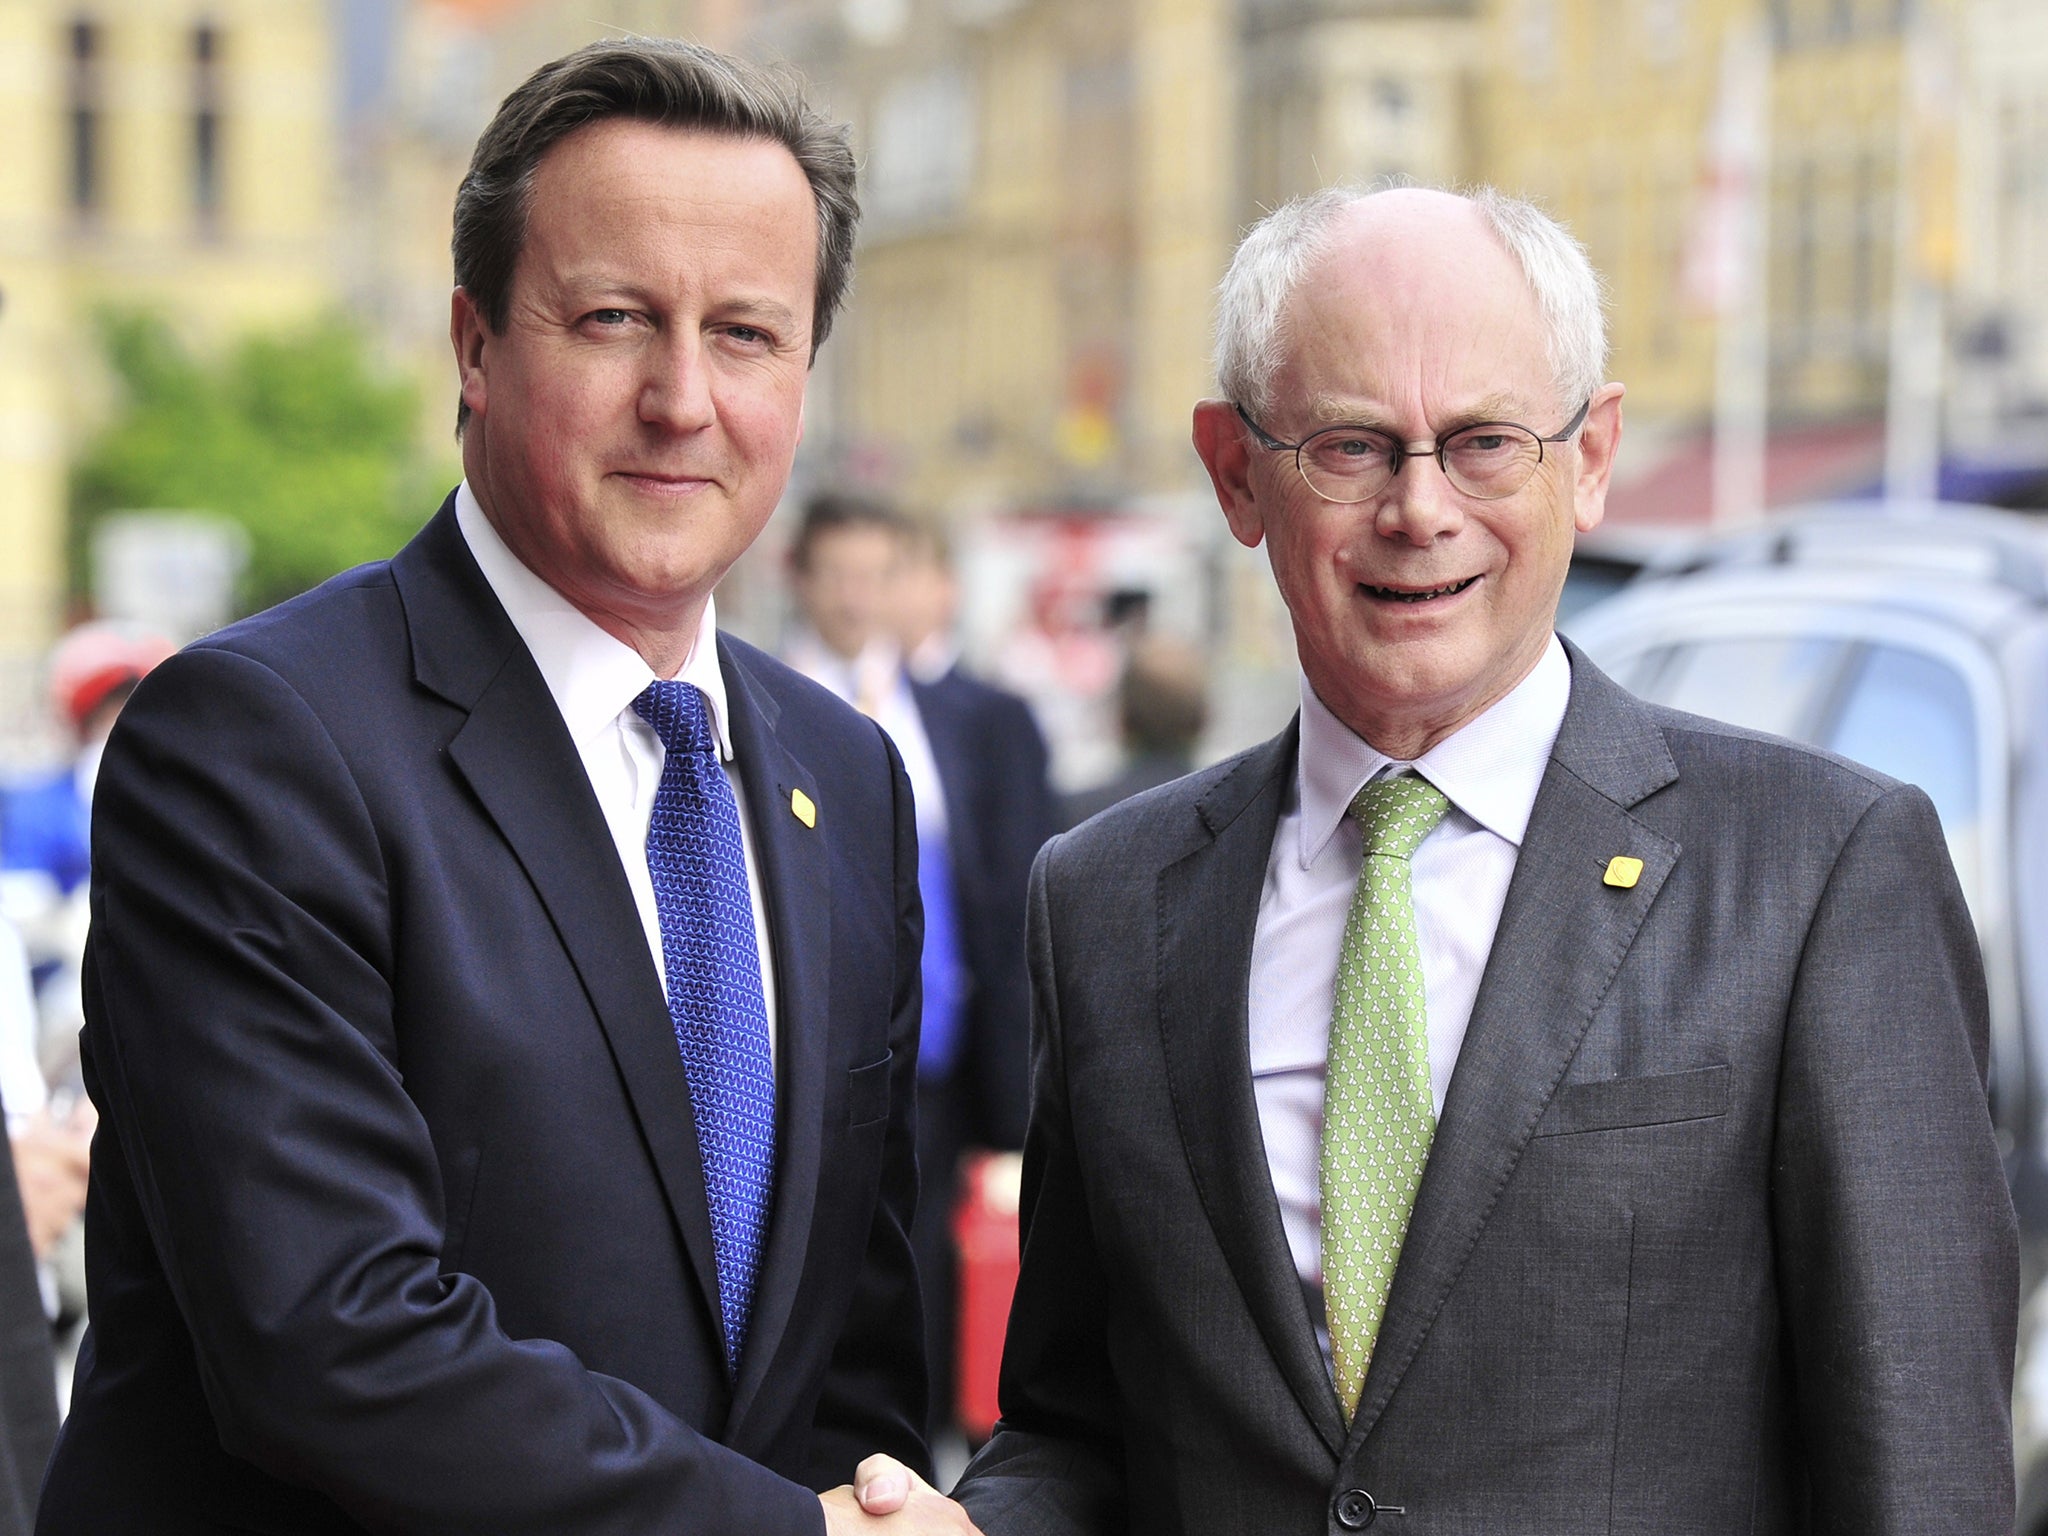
(503, 993)
(875, 592)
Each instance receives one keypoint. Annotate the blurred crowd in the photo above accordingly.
(44, 869)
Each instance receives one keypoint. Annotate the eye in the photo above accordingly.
(608, 319)
(1485, 440)
(1345, 449)
(750, 335)
(1350, 443)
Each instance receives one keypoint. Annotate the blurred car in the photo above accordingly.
(1913, 639)
(1609, 558)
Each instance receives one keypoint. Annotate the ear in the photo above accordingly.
(468, 332)
(1226, 452)
(1598, 441)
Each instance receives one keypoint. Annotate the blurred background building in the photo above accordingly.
(175, 157)
(1825, 224)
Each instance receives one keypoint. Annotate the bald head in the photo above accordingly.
(1414, 275)
(1545, 266)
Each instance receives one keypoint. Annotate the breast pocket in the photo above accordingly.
(867, 1093)
(1623, 1103)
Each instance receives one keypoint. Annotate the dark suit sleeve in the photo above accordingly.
(1054, 1466)
(1897, 1255)
(28, 1379)
(876, 1390)
(241, 1018)
(1018, 819)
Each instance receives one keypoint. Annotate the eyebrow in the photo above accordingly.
(766, 310)
(1335, 411)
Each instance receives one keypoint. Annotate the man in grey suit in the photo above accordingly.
(1625, 1115)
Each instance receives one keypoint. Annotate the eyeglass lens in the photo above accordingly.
(1488, 461)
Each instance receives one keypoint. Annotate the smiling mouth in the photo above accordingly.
(1424, 595)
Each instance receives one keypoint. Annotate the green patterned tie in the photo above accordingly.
(1377, 1112)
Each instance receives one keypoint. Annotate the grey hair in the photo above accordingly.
(1251, 301)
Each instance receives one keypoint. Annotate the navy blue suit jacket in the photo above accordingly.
(999, 811)
(397, 1221)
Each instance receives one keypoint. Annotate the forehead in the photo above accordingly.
(622, 180)
(1415, 311)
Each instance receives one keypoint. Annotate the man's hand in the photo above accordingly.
(887, 1496)
(50, 1166)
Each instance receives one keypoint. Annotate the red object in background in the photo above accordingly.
(985, 1236)
(93, 660)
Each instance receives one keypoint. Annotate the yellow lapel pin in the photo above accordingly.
(806, 811)
(1622, 872)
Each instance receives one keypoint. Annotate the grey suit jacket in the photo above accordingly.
(1713, 1235)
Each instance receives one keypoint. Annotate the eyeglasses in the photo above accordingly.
(1487, 460)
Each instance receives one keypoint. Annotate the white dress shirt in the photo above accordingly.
(877, 682)
(1490, 770)
(594, 679)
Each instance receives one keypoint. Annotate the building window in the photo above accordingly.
(206, 102)
(1536, 39)
(1666, 24)
(83, 105)
(921, 155)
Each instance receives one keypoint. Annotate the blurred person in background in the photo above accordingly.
(42, 1188)
(1162, 703)
(925, 604)
(51, 1150)
(44, 848)
(45, 821)
(879, 599)
(28, 1397)
(503, 990)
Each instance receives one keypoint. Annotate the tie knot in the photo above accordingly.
(1396, 814)
(679, 715)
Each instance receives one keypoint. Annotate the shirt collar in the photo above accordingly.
(592, 676)
(1490, 768)
(879, 666)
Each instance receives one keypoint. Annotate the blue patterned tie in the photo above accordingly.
(699, 866)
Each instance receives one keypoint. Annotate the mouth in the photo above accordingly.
(658, 483)
(1416, 594)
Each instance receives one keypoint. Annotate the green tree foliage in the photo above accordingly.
(292, 434)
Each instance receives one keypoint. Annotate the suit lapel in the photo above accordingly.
(517, 757)
(1208, 904)
(796, 882)
(1563, 934)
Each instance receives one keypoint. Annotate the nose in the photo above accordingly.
(675, 394)
(1419, 504)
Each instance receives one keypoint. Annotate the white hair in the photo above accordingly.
(1251, 301)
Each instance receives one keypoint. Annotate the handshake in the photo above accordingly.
(887, 1496)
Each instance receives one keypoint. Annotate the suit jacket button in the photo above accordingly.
(1354, 1509)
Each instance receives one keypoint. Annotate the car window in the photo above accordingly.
(1780, 684)
(1902, 712)
(1909, 714)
